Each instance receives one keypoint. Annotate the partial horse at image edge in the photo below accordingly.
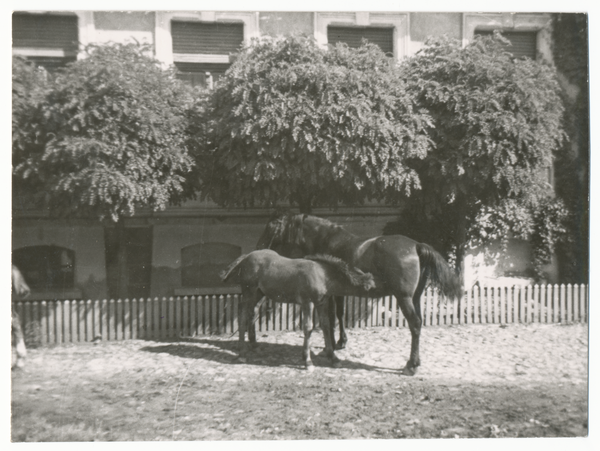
(19, 351)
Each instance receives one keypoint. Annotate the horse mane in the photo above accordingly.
(293, 230)
(354, 275)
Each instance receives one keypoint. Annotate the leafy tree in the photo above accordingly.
(293, 122)
(101, 137)
(496, 127)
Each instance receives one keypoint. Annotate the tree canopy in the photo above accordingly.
(497, 122)
(102, 136)
(293, 122)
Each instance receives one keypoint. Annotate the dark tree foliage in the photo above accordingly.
(293, 122)
(497, 123)
(102, 136)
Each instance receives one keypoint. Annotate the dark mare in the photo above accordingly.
(308, 282)
(401, 266)
(19, 352)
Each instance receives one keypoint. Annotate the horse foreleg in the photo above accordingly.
(307, 325)
(414, 323)
(339, 311)
(19, 351)
(336, 309)
(329, 343)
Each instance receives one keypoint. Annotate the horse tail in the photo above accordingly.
(224, 275)
(435, 269)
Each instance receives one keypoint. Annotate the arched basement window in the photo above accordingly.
(46, 267)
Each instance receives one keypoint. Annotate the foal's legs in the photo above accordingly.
(326, 327)
(336, 308)
(307, 325)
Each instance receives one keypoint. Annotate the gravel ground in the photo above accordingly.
(474, 381)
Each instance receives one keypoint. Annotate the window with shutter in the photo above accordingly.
(201, 49)
(523, 43)
(49, 40)
(212, 38)
(353, 36)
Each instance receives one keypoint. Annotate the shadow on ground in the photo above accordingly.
(264, 354)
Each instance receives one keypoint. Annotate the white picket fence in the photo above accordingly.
(60, 321)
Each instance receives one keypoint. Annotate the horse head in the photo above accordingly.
(366, 280)
(283, 229)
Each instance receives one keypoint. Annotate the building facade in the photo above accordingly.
(180, 251)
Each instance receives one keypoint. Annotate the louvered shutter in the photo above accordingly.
(213, 38)
(45, 31)
(523, 43)
(352, 36)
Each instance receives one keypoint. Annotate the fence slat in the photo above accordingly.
(67, 322)
(468, 306)
(555, 303)
(569, 302)
(51, 322)
(127, 319)
(119, 324)
(539, 297)
(145, 318)
(563, 304)
(206, 315)
(502, 300)
(134, 318)
(454, 305)
(35, 317)
(236, 312)
(583, 294)
(575, 290)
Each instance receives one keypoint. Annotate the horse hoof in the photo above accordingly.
(340, 345)
(310, 368)
(337, 364)
(409, 370)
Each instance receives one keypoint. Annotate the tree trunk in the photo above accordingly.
(117, 273)
(304, 202)
(461, 235)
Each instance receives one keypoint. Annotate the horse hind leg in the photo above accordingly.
(245, 323)
(413, 319)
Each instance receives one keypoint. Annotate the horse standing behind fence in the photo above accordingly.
(308, 282)
(401, 266)
(19, 352)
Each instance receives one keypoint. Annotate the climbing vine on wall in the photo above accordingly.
(570, 54)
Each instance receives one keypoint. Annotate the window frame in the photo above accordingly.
(85, 31)
(396, 20)
(533, 22)
(164, 36)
